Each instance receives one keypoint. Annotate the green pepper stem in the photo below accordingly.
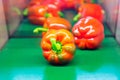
(37, 30)
(61, 14)
(47, 15)
(56, 46)
(76, 17)
(25, 12)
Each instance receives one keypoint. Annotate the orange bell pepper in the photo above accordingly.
(88, 33)
(58, 46)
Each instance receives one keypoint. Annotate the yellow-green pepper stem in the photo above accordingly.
(25, 12)
(56, 46)
(61, 14)
(47, 15)
(37, 30)
(76, 18)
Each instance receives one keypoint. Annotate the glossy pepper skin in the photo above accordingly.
(58, 46)
(53, 23)
(53, 9)
(90, 9)
(57, 23)
(88, 33)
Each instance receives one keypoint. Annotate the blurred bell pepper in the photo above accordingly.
(89, 9)
(67, 4)
(72, 4)
(88, 33)
(36, 14)
(58, 46)
(58, 3)
(39, 13)
(62, 4)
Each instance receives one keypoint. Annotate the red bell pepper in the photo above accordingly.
(72, 4)
(89, 9)
(68, 4)
(58, 46)
(57, 23)
(54, 10)
(37, 14)
(58, 3)
(88, 33)
(54, 23)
